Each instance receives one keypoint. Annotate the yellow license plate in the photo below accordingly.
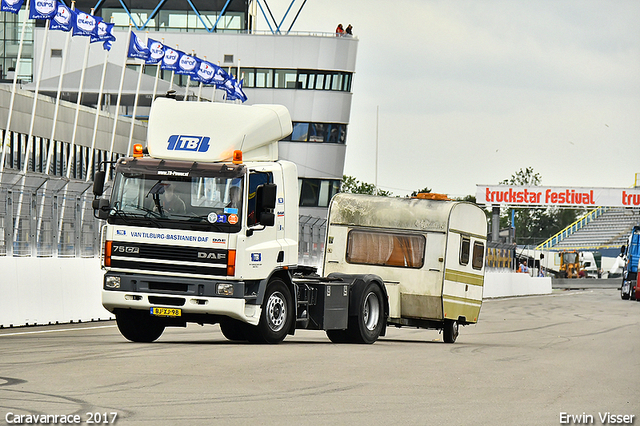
(166, 312)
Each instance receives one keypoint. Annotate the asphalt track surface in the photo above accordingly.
(526, 362)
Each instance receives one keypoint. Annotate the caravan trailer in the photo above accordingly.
(428, 250)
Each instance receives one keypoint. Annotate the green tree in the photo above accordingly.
(425, 190)
(535, 225)
(353, 186)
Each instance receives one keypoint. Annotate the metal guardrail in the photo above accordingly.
(45, 216)
(54, 220)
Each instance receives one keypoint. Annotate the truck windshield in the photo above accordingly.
(205, 198)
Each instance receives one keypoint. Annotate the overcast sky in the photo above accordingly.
(469, 92)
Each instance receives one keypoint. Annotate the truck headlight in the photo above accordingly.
(225, 289)
(112, 283)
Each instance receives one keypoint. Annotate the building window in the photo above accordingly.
(317, 192)
(318, 132)
(295, 79)
(264, 78)
(285, 79)
(300, 132)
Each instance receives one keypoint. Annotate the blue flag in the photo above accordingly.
(156, 52)
(238, 93)
(228, 87)
(171, 59)
(105, 34)
(12, 6)
(64, 18)
(188, 65)
(85, 25)
(220, 77)
(43, 9)
(234, 90)
(206, 72)
(137, 49)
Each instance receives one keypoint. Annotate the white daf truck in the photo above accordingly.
(202, 226)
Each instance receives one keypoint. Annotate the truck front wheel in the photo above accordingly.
(138, 326)
(277, 314)
(234, 330)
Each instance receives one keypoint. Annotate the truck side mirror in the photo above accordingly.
(265, 203)
(267, 219)
(266, 196)
(623, 249)
(101, 208)
(98, 183)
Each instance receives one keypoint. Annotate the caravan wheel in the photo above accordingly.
(450, 331)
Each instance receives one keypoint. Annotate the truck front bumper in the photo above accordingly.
(192, 296)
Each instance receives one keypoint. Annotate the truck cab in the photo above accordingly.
(200, 222)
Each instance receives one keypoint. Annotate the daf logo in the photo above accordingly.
(202, 255)
(125, 249)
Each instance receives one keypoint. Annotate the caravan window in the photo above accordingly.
(465, 245)
(385, 249)
(478, 255)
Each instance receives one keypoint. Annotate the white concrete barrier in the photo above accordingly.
(41, 291)
(503, 284)
(37, 291)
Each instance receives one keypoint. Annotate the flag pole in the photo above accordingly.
(35, 98)
(200, 86)
(135, 100)
(171, 83)
(115, 118)
(5, 143)
(155, 83)
(54, 122)
(78, 103)
(72, 147)
(98, 110)
(33, 117)
(375, 189)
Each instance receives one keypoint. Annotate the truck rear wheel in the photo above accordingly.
(339, 336)
(367, 325)
(450, 331)
(276, 316)
(139, 326)
(625, 290)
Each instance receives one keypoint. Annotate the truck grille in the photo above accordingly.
(163, 258)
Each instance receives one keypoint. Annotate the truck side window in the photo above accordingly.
(478, 255)
(255, 179)
(385, 249)
(465, 248)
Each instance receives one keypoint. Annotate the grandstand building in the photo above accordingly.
(49, 162)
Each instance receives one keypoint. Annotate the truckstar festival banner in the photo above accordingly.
(560, 196)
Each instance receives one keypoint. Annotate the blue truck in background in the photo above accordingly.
(631, 253)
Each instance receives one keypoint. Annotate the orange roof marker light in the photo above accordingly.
(430, 196)
(237, 157)
(137, 150)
